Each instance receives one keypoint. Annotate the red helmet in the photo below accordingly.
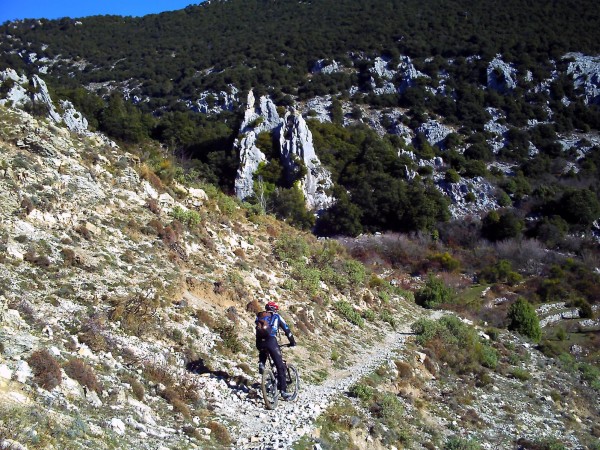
(271, 306)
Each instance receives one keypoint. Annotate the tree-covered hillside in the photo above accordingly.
(272, 44)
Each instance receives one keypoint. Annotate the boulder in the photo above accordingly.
(585, 71)
(434, 132)
(501, 76)
(326, 66)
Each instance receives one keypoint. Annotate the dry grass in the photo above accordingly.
(219, 432)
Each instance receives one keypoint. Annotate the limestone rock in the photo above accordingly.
(117, 426)
(501, 76)
(585, 71)
(434, 132)
(257, 118)
(211, 102)
(409, 73)
(295, 140)
(326, 66)
(72, 118)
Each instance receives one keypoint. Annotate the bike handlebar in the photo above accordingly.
(286, 345)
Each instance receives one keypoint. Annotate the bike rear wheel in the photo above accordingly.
(269, 389)
(293, 382)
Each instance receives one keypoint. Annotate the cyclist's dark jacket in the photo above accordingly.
(270, 346)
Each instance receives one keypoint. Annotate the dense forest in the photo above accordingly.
(272, 44)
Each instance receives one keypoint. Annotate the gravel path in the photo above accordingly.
(259, 428)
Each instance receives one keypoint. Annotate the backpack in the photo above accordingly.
(263, 324)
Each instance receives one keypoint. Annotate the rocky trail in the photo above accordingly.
(258, 428)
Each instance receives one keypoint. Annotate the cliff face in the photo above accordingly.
(295, 147)
(296, 144)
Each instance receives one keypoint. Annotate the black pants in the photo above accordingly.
(269, 346)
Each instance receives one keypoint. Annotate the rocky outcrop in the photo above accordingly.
(72, 118)
(380, 68)
(434, 132)
(215, 102)
(318, 108)
(297, 149)
(409, 73)
(484, 196)
(405, 72)
(501, 76)
(23, 91)
(585, 71)
(257, 118)
(326, 66)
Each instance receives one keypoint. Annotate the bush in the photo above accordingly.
(499, 226)
(84, 374)
(488, 357)
(501, 272)
(349, 313)
(230, 338)
(520, 374)
(452, 176)
(291, 248)
(46, 370)
(524, 320)
(362, 391)
(219, 433)
(434, 293)
(457, 443)
(455, 343)
(190, 218)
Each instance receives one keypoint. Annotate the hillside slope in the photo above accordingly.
(127, 309)
(136, 282)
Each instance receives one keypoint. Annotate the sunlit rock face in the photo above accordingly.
(295, 140)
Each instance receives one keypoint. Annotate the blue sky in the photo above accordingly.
(36, 9)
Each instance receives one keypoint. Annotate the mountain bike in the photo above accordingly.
(269, 381)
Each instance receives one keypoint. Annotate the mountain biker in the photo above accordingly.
(268, 323)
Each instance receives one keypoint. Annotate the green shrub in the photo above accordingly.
(520, 374)
(457, 443)
(434, 293)
(309, 278)
(349, 313)
(488, 357)
(446, 261)
(355, 272)
(362, 391)
(190, 217)
(452, 176)
(369, 315)
(386, 316)
(455, 343)
(291, 248)
(524, 320)
(501, 272)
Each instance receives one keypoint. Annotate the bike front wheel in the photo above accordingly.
(269, 389)
(293, 382)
